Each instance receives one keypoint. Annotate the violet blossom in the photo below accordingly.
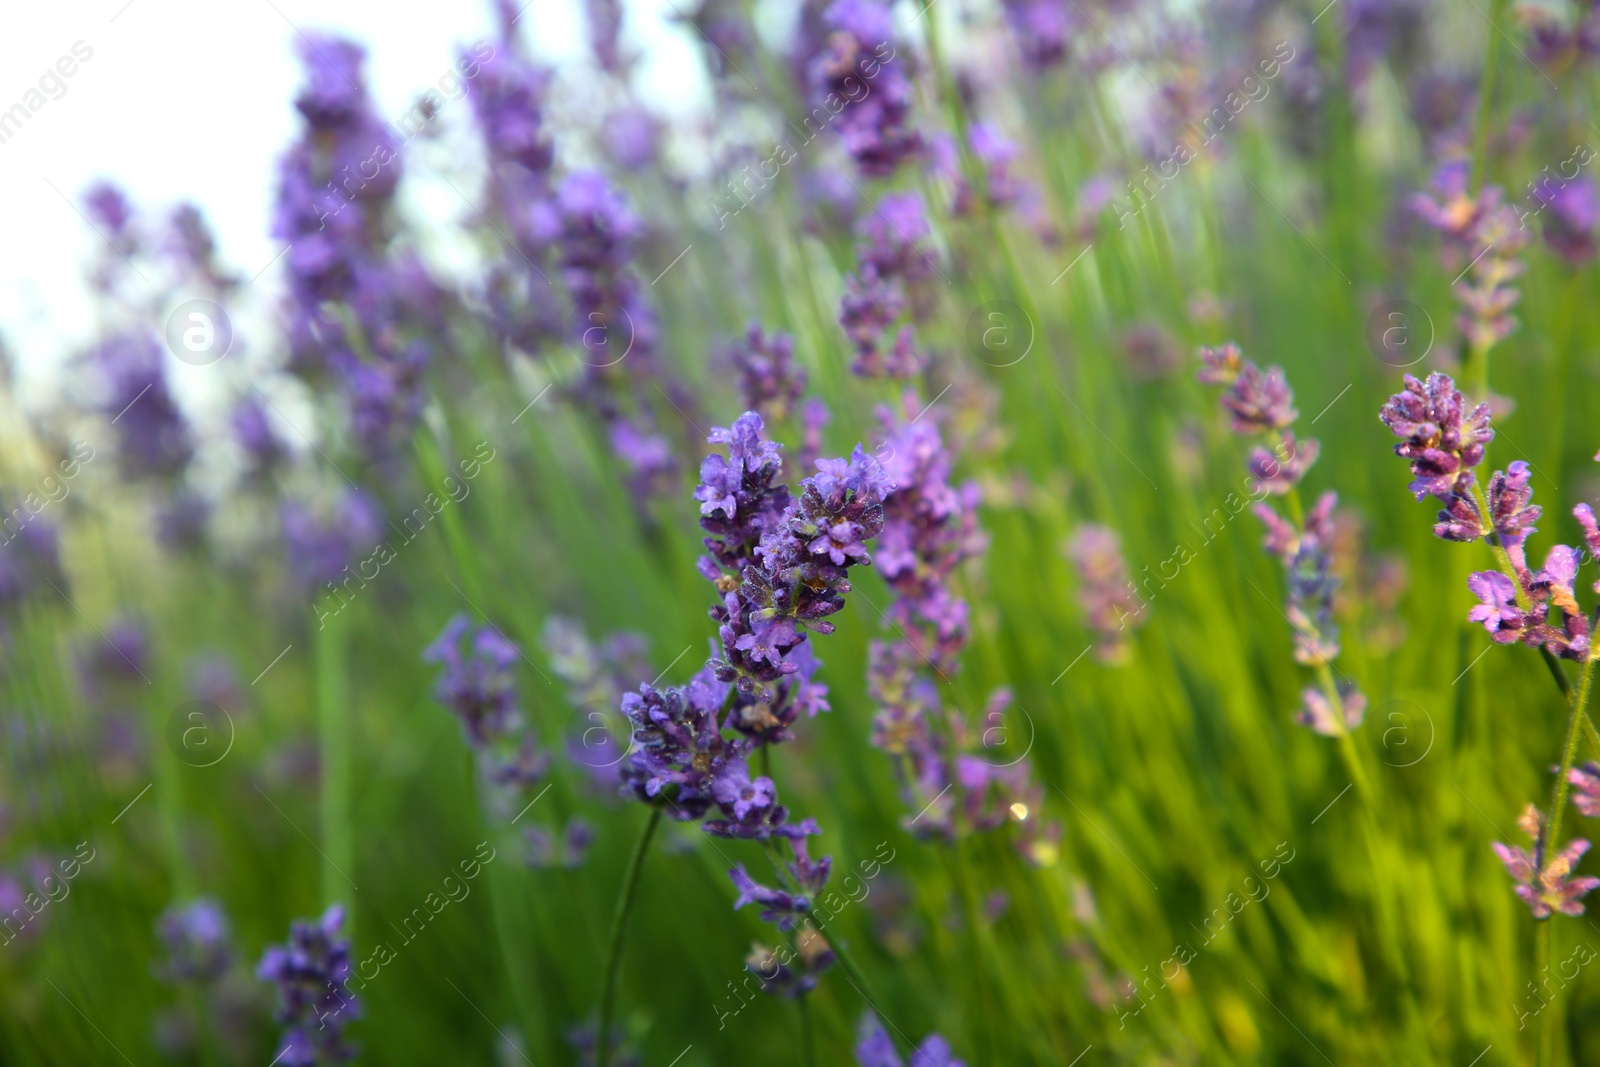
(1545, 883)
(858, 66)
(312, 971)
(1104, 591)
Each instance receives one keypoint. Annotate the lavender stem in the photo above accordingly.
(619, 926)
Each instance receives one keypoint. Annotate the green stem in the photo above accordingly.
(1544, 1051)
(619, 926)
(1491, 65)
(808, 1044)
(1580, 703)
(847, 964)
(333, 721)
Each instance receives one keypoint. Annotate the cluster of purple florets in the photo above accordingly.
(893, 261)
(312, 972)
(478, 685)
(1261, 404)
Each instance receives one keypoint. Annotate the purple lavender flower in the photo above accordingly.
(30, 557)
(1441, 438)
(796, 975)
(1284, 540)
(869, 306)
(1499, 612)
(253, 430)
(195, 937)
(1151, 351)
(875, 1049)
(1278, 473)
(1317, 711)
(478, 686)
(1043, 30)
(314, 1001)
(320, 546)
(605, 33)
(1310, 607)
(858, 77)
(679, 747)
(1573, 217)
(1545, 883)
(892, 237)
(1104, 592)
(1512, 511)
(1259, 400)
(1585, 781)
(354, 309)
(153, 438)
(778, 907)
(770, 382)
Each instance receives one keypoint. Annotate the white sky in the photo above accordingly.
(192, 99)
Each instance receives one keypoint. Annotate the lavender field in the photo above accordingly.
(980, 532)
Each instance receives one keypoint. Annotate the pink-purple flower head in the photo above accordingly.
(1440, 436)
(1318, 713)
(1277, 472)
(1585, 782)
(1546, 884)
(1259, 400)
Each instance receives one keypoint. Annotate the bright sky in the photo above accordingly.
(192, 99)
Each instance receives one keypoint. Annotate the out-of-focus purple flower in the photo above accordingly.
(869, 306)
(860, 79)
(354, 312)
(153, 440)
(778, 907)
(30, 557)
(1571, 214)
(1585, 781)
(788, 976)
(477, 685)
(1486, 231)
(1442, 439)
(319, 546)
(1318, 713)
(632, 137)
(195, 937)
(312, 971)
(542, 849)
(1109, 603)
(875, 1049)
(605, 34)
(109, 210)
(893, 235)
(1044, 30)
(253, 430)
(770, 381)
(1545, 883)
(1220, 365)
(1259, 400)
(995, 153)
(1310, 607)
(1150, 350)
(1278, 473)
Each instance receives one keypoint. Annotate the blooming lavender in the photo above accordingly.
(596, 675)
(875, 1049)
(153, 437)
(770, 381)
(1485, 231)
(1571, 217)
(195, 937)
(930, 528)
(312, 971)
(1444, 441)
(894, 261)
(1103, 590)
(478, 687)
(858, 68)
(1261, 404)
(1545, 882)
(354, 301)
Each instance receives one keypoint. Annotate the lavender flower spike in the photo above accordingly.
(874, 1049)
(1318, 714)
(1585, 782)
(1441, 438)
(314, 1004)
(1545, 884)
